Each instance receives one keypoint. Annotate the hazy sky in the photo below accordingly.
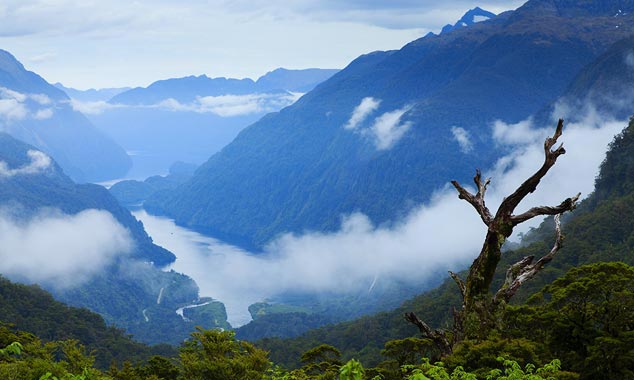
(91, 43)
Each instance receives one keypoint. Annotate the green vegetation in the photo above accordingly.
(210, 314)
(29, 308)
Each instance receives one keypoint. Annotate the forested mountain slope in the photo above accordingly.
(384, 133)
(33, 310)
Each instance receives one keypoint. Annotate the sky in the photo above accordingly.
(122, 43)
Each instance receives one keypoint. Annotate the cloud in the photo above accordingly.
(39, 163)
(42, 99)
(60, 250)
(93, 108)
(223, 105)
(462, 137)
(11, 109)
(514, 134)
(233, 105)
(629, 59)
(389, 14)
(45, 113)
(385, 130)
(444, 234)
(362, 111)
(388, 129)
(14, 106)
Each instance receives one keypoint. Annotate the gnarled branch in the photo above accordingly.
(459, 282)
(568, 204)
(477, 200)
(437, 336)
(524, 270)
(510, 203)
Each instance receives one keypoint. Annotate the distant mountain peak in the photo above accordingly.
(471, 17)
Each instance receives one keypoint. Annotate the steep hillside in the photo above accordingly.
(392, 127)
(605, 85)
(33, 310)
(80, 244)
(36, 112)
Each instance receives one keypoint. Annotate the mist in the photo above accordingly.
(223, 105)
(444, 234)
(60, 250)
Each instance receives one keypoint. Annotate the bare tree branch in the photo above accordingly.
(460, 283)
(477, 200)
(524, 270)
(568, 204)
(437, 336)
(510, 203)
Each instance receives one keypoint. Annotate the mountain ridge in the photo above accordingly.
(312, 169)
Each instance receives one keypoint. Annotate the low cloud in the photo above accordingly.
(60, 250)
(223, 105)
(362, 111)
(233, 105)
(39, 163)
(462, 138)
(385, 130)
(516, 134)
(45, 113)
(444, 234)
(388, 128)
(42, 99)
(629, 59)
(93, 108)
(11, 109)
(15, 106)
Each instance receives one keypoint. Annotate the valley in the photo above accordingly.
(286, 191)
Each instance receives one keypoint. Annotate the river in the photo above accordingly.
(214, 265)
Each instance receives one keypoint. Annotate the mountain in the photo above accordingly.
(86, 249)
(189, 88)
(386, 132)
(91, 95)
(34, 111)
(188, 119)
(599, 230)
(293, 80)
(472, 16)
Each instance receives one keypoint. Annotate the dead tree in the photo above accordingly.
(480, 309)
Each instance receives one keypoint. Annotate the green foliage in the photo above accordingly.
(214, 354)
(511, 371)
(352, 370)
(585, 318)
(14, 349)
